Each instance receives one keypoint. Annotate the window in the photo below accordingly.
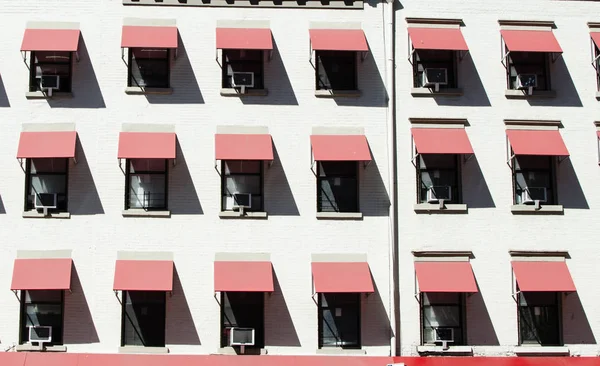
(438, 176)
(337, 186)
(143, 321)
(242, 176)
(242, 310)
(435, 59)
(533, 179)
(50, 64)
(597, 65)
(336, 70)
(46, 179)
(149, 68)
(339, 320)
(146, 184)
(42, 308)
(245, 61)
(529, 63)
(539, 318)
(442, 317)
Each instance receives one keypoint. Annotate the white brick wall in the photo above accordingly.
(194, 233)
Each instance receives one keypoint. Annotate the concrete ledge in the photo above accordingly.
(439, 350)
(334, 4)
(32, 348)
(455, 208)
(329, 93)
(543, 210)
(598, 95)
(339, 215)
(135, 90)
(522, 94)
(233, 92)
(427, 92)
(340, 351)
(142, 349)
(542, 350)
(41, 95)
(247, 215)
(248, 351)
(39, 215)
(136, 212)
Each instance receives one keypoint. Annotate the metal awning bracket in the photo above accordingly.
(555, 56)
(503, 61)
(363, 56)
(24, 55)
(562, 158)
(216, 295)
(218, 53)
(16, 294)
(509, 155)
(462, 54)
(467, 157)
(20, 160)
(117, 296)
(366, 164)
(598, 144)
(216, 167)
(413, 152)
(121, 165)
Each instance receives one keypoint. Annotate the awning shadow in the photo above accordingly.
(2, 209)
(79, 325)
(474, 94)
(4, 102)
(279, 327)
(183, 197)
(562, 82)
(570, 193)
(480, 330)
(476, 193)
(375, 322)
(373, 195)
(576, 326)
(279, 200)
(180, 328)
(83, 194)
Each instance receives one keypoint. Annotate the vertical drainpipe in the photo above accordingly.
(390, 79)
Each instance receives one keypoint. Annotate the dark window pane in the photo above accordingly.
(336, 70)
(243, 61)
(539, 314)
(442, 318)
(148, 165)
(147, 191)
(149, 68)
(242, 310)
(42, 308)
(444, 161)
(46, 178)
(529, 63)
(438, 178)
(435, 59)
(244, 177)
(47, 64)
(534, 179)
(337, 184)
(144, 318)
(49, 165)
(338, 168)
(340, 320)
(242, 166)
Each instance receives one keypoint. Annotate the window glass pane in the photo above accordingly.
(147, 53)
(242, 184)
(144, 323)
(43, 296)
(48, 184)
(147, 191)
(49, 165)
(242, 166)
(444, 161)
(539, 298)
(149, 68)
(336, 70)
(243, 310)
(42, 308)
(529, 63)
(539, 324)
(338, 168)
(444, 298)
(340, 320)
(434, 59)
(243, 61)
(147, 165)
(52, 57)
(48, 64)
(441, 316)
(533, 162)
(338, 195)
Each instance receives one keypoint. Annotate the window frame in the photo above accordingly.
(551, 199)
(34, 85)
(224, 177)
(457, 175)
(334, 54)
(545, 69)
(452, 71)
(259, 343)
(597, 65)
(321, 178)
(124, 295)
(23, 322)
(128, 185)
(558, 305)
(130, 68)
(357, 307)
(462, 307)
(28, 185)
(261, 62)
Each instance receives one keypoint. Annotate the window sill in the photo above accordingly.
(428, 92)
(522, 94)
(598, 95)
(135, 90)
(340, 351)
(248, 351)
(52, 215)
(142, 349)
(429, 208)
(542, 350)
(42, 95)
(543, 210)
(339, 215)
(135, 212)
(330, 93)
(439, 350)
(246, 215)
(32, 348)
(233, 92)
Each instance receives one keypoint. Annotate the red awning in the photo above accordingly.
(340, 148)
(441, 141)
(51, 359)
(47, 144)
(445, 277)
(543, 276)
(244, 276)
(143, 275)
(437, 39)
(243, 147)
(50, 40)
(338, 40)
(147, 145)
(537, 142)
(42, 274)
(244, 39)
(148, 36)
(342, 277)
(530, 41)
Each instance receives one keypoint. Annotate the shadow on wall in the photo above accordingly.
(562, 83)
(480, 330)
(183, 198)
(183, 81)
(83, 195)
(473, 89)
(2, 209)
(4, 102)
(180, 328)
(370, 84)
(374, 198)
(277, 82)
(570, 193)
(79, 324)
(279, 200)
(576, 326)
(86, 91)
(375, 327)
(279, 327)
(476, 193)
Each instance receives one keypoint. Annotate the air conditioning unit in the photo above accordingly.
(44, 201)
(241, 337)
(444, 336)
(533, 194)
(49, 83)
(40, 334)
(527, 82)
(435, 77)
(438, 193)
(243, 80)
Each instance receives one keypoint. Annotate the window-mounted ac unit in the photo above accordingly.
(434, 77)
(527, 82)
(241, 337)
(50, 83)
(533, 194)
(242, 200)
(40, 334)
(437, 193)
(45, 201)
(243, 80)
(444, 335)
